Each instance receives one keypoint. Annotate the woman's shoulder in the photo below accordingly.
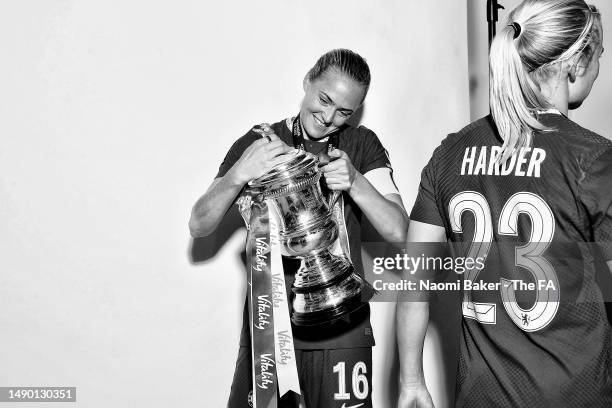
(577, 141)
(281, 126)
(478, 132)
(358, 135)
(581, 134)
(244, 141)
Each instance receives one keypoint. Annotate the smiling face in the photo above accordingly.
(329, 101)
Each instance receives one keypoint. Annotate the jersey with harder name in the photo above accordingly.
(534, 332)
(366, 153)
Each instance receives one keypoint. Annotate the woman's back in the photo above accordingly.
(537, 331)
(525, 194)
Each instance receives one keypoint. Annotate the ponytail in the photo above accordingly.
(539, 35)
(514, 97)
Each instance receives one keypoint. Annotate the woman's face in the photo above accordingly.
(329, 101)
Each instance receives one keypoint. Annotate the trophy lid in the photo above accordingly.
(295, 164)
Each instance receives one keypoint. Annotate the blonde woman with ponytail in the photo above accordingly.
(528, 193)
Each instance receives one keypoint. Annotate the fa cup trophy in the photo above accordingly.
(326, 285)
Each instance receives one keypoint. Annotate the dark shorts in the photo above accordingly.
(340, 378)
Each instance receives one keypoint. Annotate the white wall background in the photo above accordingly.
(114, 117)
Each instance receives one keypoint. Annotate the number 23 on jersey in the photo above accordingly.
(529, 256)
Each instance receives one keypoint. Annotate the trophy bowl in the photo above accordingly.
(326, 286)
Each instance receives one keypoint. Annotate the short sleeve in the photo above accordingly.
(236, 151)
(596, 189)
(425, 208)
(382, 180)
(375, 155)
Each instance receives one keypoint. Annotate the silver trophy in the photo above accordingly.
(326, 285)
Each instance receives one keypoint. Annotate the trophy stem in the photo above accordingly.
(321, 269)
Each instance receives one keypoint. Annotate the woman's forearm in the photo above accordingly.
(411, 325)
(209, 210)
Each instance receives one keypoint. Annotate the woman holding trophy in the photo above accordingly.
(332, 336)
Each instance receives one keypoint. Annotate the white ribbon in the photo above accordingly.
(286, 367)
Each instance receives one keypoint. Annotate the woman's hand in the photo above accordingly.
(339, 172)
(260, 157)
(414, 396)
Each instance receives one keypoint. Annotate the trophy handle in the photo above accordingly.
(323, 159)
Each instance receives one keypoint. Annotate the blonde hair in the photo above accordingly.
(538, 35)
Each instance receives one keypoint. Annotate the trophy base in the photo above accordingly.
(330, 315)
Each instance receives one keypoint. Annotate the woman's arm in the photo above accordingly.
(412, 316)
(386, 213)
(261, 156)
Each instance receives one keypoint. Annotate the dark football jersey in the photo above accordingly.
(366, 153)
(534, 332)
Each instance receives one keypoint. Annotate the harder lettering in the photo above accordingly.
(482, 160)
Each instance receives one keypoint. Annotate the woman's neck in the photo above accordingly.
(556, 92)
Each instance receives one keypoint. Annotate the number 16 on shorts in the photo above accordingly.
(357, 383)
